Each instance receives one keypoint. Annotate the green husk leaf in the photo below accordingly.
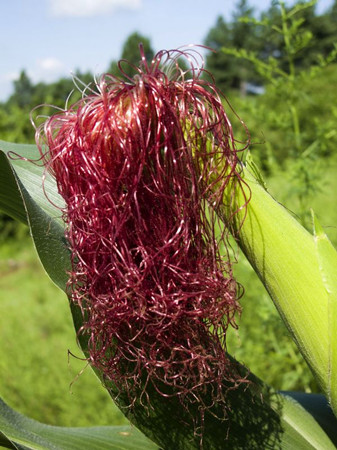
(327, 259)
(284, 255)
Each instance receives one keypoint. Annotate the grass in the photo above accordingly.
(282, 186)
(37, 376)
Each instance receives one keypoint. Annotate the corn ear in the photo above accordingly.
(327, 260)
(298, 269)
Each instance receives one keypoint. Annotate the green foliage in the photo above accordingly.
(227, 70)
(293, 129)
(130, 50)
(9, 229)
(15, 124)
(23, 91)
(283, 40)
(297, 113)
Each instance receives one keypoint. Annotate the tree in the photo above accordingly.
(313, 36)
(23, 91)
(324, 34)
(217, 62)
(131, 53)
(226, 69)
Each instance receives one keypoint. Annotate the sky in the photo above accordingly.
(54, 38)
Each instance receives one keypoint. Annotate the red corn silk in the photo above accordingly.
(142, 166)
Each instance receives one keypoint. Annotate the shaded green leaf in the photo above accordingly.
(23, 433)
(301, 429)
(318, 406)
(10, 199)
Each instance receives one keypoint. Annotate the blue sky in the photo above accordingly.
(51, 38)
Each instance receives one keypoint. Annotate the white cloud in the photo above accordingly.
(47, 69)
(50, 64)
(86, 8)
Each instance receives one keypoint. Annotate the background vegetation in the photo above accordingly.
(279, 73)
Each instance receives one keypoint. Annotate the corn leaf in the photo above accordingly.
(21, 432)
(257, 417)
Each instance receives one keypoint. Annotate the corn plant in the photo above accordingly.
(129, 196)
